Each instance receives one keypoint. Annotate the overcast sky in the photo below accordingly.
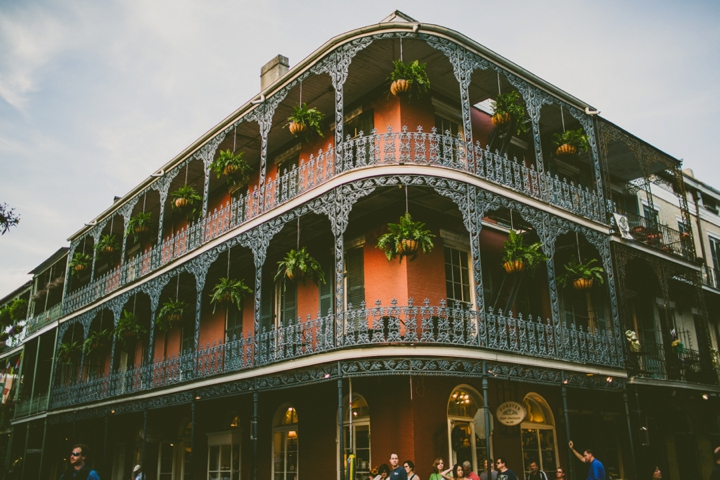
(95, 96)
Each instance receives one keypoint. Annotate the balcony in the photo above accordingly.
(651, 362)
(25, 408)
(378, 149)
(660, 236)
(711, 277)
(41, 319)
(379, 326)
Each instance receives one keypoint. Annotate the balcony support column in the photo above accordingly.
(8, 454)
(192, 436)
(105, 446)
(254, 435)
(42, 450)
(566, 412)
(25, 449)
(630, 435)
(35, 367)
(340, 425)
(207, 155)
(486, 407)
(144, 438)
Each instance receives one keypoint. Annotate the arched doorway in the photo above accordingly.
(464, 413)
(285, 444)
(356, 435)
(539, 441)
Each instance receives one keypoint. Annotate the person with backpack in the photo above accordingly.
(536, 473)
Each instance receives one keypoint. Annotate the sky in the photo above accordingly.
(96, 96)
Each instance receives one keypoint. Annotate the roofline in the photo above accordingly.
(677, 160)
(17, 291)
(311, 59)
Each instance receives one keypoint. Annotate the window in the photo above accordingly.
(278, 305)
(651, 216)
(233, 324)
(285, 444)
(715, 254)
(188, 336)
(288, 175)
(354, 277)
(585, 308)
(359, 121)
(538, 434)
(466, 444)
(356, 435)
(165, 461)
(458, 278)
(223, 455)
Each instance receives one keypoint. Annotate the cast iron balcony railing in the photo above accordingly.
(41, 319)
(653, 362)
(31, 406)
(711, 277)
(378, 326)
(660, 236)
(390, 148)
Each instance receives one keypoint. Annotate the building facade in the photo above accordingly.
(445, 355)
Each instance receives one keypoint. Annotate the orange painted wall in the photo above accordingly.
(383, 280)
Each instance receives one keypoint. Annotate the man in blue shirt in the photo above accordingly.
(78, 469)
(596, 471)
(398, 472)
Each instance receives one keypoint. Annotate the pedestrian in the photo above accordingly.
(596, 471)
(536, 473)
(458, 472)
(493, 472)
(560, 474)
(397, 472)
(383, 472)
(657, 474)
(409, 467)
(504, 473)
(715, 475)
(138, 473)
(467, 470)
(438, 472)
(78, 468)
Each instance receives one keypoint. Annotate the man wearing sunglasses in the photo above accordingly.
(78, 469)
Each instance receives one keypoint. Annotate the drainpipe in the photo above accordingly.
(105, 444)
(629, 425)
(42, 449)
(699, 224)
(486, 405)
(144, 443)
(254, 434)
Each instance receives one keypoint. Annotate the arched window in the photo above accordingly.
(356, 435)
(285, 444)
(539, 442)
(466, 427)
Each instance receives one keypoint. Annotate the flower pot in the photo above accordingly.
(685, 235)
(181, 202)
(174, 318)
(400, 87)
(80, 268)
(408, 247)
(109, 249)
(142, 229)
(225, 299)
(514, 266)
(501, 119)
(582, 283)
(230, 170)
(296, 128)
(565, 150)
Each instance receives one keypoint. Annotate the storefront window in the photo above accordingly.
(539, 443)
(356, 435)
(466, 444)
(223, 456)
(285, 444)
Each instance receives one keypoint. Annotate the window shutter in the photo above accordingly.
(266, 302)
(355, 277)
(326, 289)
(289, 304)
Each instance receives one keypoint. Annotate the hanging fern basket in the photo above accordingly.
(109, 249)
(515, 266)
(408, 247)
(80, 268)
(500, 119)
(582, 283)
(181, 202)
(296, 128)
(230, 170)
(565, 150)
(142, 229)
(400, 87)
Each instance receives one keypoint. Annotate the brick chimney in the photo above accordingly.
(274, 69)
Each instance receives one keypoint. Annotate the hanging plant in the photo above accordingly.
(107, 245)
(97, 340)
(582, 274)
(715, 357)
(517, 256)
(678, 346)
(5, 316)
(405, 239)
(57, 283)
(508, 107)
(300, 264)
(129, 327)
(570, 141)
(80, 262)
(228, 292)
(634, 343)
(18, 309)
(187, 200)
(171, 313)
(305, 119)
(69, 352)
(232, 165)
(139, 225)
(16, 329)
(4, 337)
(409, 79)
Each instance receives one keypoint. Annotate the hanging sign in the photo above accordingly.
(623, 226)
(510, 413)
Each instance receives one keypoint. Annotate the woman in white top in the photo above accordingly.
(410, 469)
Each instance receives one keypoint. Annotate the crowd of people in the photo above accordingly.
(498, 470)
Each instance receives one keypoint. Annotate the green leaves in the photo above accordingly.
(129, 327)
(138, 225)
(299, 263)
(515, 250)
(415, 74)
(233, 165)
(69, 352)
(576, 138)
(187, 200)
(96, 340)
(80, 262)
(311, 118)
(229, 291)
(587, 270)
(395, 242)
(172, 312)
(511, 104)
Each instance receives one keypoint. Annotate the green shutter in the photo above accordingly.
(355, 277)
(288, 313)
(266, 302)
(326, 289)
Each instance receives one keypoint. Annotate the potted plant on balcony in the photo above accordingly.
(677, 346)
(56, 283)
(301, 265)
(581, 274)
(570, 142)
(405, 239)
(186, 199)
(107, 245)
(633, 342)
(232, 165)
(4, 337)
(129, 327)
(5, 316)
(97, 340)
(517, 256)
(69, 352)
(228, 292)
(305, 119)
(171, 313)
(507, 108)
(80, 262)
(18, 309)
(409, 79)
(139, 225)
(16, 329)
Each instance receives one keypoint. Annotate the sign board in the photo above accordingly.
(479, 421)
(510, 413)
(623, 226)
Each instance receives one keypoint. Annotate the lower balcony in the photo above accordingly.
(653, 362)
(660, 236)
(380, 326)
(31, 406)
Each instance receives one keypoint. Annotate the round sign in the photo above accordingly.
(510, 413)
